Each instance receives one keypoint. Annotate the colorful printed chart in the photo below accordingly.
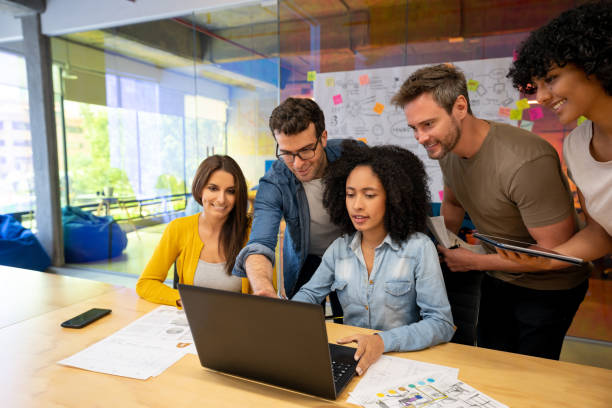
(431, 392)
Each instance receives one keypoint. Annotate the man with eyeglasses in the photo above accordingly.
(292, 189)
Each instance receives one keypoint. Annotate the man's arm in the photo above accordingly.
(259, 271)
(255, 261)
(452, 210)
(461, 260)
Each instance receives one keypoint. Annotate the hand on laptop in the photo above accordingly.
(369, 349)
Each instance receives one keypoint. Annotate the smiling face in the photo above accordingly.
(309, 169)
(568, 92)
(219, 195)
(433, 127)
(366, 200)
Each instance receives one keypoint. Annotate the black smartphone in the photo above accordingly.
(84, 319)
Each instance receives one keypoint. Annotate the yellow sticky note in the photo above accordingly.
(472, 84)
(330, 82)
(580, 120)
(311, 76)
(522, 104)
(379, 108)
(516, 114)
(363, 139)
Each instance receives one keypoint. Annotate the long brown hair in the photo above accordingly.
(234, 231)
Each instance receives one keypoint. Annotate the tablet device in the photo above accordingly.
(526, 248)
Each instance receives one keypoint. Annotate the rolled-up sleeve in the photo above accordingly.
(268, 211)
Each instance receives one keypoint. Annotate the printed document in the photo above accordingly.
(143, 349)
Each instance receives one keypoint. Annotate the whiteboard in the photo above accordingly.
(352, 101)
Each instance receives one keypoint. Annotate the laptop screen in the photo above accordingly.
(271, 340)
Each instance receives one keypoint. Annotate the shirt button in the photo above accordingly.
(366, 307)
(371, 282)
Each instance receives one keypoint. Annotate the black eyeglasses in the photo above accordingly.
(304, 154)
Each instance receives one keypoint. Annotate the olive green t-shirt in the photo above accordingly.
(512, 183)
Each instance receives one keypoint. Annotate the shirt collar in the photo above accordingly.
(356, 242)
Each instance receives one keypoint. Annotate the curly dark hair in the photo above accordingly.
(403, 177)
(294, 115)
(581, 36)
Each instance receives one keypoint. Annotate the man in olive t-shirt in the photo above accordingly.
(511, 184)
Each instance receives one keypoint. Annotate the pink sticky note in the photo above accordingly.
(441, 194)
(337, 99)
(364, 79)
(505, 112)
(536, 113)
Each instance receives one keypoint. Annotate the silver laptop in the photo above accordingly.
(276, 341)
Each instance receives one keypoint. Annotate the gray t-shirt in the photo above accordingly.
(512, 183)
(213, 275)
(322, 231)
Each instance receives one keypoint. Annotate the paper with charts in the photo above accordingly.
(388, 369)
(143, 349)
(432, 391)
(357, 105)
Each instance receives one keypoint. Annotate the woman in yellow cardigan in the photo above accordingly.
(204, 245)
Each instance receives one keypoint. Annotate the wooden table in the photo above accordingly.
(25, 293)
(31, 377)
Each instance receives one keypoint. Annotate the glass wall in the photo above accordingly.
(16, 170)
(140, 106)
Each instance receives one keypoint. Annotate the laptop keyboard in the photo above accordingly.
(342, 370)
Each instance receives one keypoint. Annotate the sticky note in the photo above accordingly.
(522, 104)
(337, 99)
(580, 120)
(505, 112)
(379, 108)
(311, 76)
(516, 114)
(364, 79)
(441, 194)
(330, 82)
(363, 139)
(472, 84)
(527, 125)
(536, 113)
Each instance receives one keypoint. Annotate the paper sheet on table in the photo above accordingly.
(389, 369)
(431, 391)
(447, 238)
(143, 349)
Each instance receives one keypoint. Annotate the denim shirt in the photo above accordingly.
(281, 195)
(404, 296)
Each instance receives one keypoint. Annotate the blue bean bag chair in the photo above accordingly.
(19, 247)
(90, 238)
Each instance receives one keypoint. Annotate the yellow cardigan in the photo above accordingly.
(181, 243)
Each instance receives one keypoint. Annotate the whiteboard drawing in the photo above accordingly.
(356, 116)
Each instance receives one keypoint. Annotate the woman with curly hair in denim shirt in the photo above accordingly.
(385, 270)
